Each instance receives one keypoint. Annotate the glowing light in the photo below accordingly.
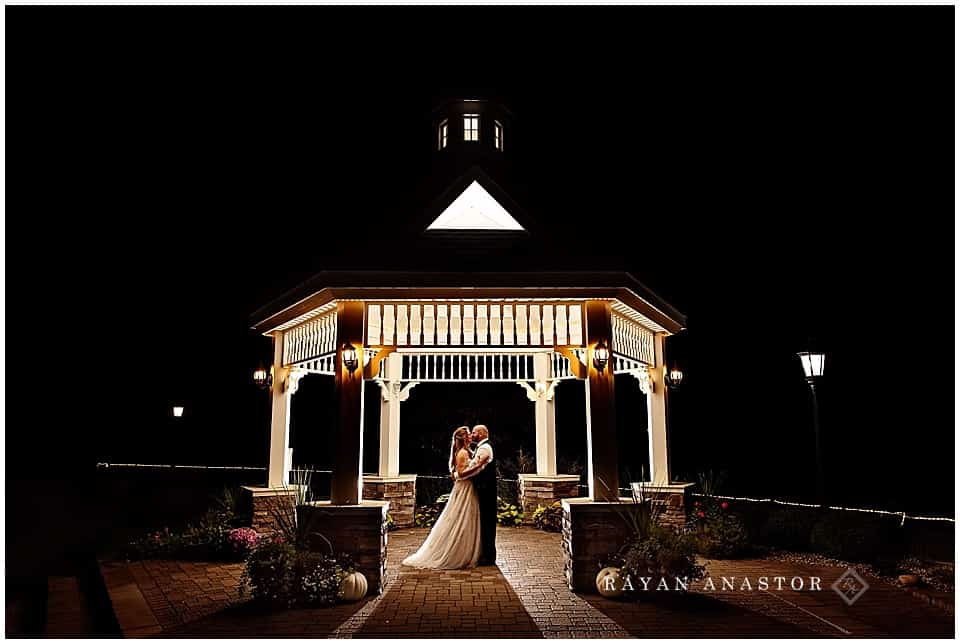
(601, 354)
(471, 127)
(177, 412)
(261, 378)
(442, 135)
(813, 364)
(475, 209)
(349, 355)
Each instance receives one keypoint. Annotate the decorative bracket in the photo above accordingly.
(293, 379)
(643, 377)
(405, 392)
(396, 390)
(533, 394)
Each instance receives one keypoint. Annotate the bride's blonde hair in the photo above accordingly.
(460, 439)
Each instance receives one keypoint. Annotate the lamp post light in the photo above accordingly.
(813, 363)
(177, 411)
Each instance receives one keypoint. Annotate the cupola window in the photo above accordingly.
(471, 127)
(442, 135)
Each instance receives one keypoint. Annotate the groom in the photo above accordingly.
(484, 475)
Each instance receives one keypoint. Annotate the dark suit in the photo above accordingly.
(485, 483)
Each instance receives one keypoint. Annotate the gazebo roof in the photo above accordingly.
(466, 218)
(328, 286)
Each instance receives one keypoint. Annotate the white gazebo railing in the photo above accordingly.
(311, 340)
(632, 340)
(464, 323)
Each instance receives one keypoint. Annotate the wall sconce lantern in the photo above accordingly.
(177, 411)
(348, 353)
(261, 378)
(674, 377)
(813, 363)
(601, 355)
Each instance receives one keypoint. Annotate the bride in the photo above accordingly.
(454, 541)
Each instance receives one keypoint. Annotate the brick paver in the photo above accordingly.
(526, 596)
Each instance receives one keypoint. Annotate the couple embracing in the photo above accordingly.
(465, 533)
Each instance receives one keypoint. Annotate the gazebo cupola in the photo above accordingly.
(477, 128)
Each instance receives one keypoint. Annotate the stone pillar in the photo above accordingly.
(593, 530)
(263, 504)
(657, 419)
(346, 481)
(603, 476)
(279, 463)
(400, 491)
(669, 501)
(540, 489)
(359, 530)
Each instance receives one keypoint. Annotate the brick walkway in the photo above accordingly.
(524, 596)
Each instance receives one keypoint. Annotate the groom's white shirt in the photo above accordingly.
(485, 455)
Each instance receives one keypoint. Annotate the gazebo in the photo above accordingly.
(396, 329)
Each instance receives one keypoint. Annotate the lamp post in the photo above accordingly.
(813, 363)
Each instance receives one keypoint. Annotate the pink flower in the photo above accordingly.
(700, 514)
(696, 504)
(724, 505)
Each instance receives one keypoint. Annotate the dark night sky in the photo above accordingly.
(775, 173)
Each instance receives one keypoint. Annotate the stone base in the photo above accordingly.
(400, 491)
(263, 503)
(670, 501)
(593, 530)
(357, 530)
(545, 490)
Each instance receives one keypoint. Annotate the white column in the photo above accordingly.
(657, 419)
(280, 463)
(545, 416)
(390, 416)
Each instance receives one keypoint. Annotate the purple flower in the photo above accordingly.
(242, 539)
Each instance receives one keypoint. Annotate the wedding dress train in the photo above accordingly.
(454, 541)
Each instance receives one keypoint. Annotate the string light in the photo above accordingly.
(903, 515)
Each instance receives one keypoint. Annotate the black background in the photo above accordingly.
(776, 173)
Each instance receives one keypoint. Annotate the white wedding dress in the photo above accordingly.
(454, 541)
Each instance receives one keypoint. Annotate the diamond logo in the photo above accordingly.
(850, 586)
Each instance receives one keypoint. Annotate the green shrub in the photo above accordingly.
(204, 540)
(426, 515)
(268, 572)
(788, 528)
(716, 531)
(856, 537)
(161, 544)
(316, 579)
(549, 518)
(661, 554)
(277, 575)
(508, 514)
